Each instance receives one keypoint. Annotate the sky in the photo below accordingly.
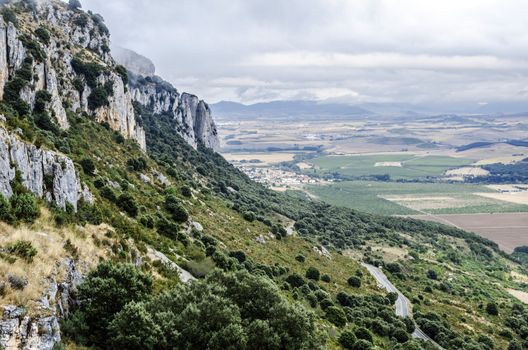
(353, 51)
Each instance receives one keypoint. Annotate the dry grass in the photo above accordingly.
(49, 243)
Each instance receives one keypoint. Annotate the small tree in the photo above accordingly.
(173, 206)
(354, 281)
(24, 207)
(492, 309)
(5, 210)
(347, 339)
(313, 273)
(325, 278)
(336, 315)
(128, 204)
(431, 274)
(88, 166)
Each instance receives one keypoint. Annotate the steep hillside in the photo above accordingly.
(123, 229)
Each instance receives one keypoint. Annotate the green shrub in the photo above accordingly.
(363, 333)
(43, 34)
(88, 166)
(9, 15)
(173, 206)
(300, 258)
(186, 192)
(5, 210)
(362, 344)
(128, 204)
(105, 292)
(431, 274)
(295, 280)
(98, 98)
(347, 339)
(22, 249)
(313, 273)
(492, 309)
(336, 315)
(24, 207)
(123, 73)
(90, 70)
(354, 281)
(138, 164)
(249, 216)
(325, 278)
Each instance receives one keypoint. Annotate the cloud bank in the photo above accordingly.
(414, 51)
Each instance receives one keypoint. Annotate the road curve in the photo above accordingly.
(403, 305)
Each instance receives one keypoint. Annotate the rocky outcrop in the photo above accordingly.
(47, 174)
(192, 116)
(18, 330)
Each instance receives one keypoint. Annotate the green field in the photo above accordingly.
(412, 167)
(367, 196)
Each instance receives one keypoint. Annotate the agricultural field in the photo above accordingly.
(404, 166)
(394, 198)
(508, 230)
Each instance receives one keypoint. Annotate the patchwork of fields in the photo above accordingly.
(393, 198)
(403, 166)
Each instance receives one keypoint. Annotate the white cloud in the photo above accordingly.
(380, 50)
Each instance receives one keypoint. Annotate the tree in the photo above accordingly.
(135, 317)
(336, 315)
(313, 273)
(354, 281)
(400, 335)
(295, 280)
(105, 292)
(363, 333)
(347, 339)
(74, 4)
(362, 344)
(392, 296)
(492, 309)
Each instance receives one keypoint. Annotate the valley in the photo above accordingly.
(432, 168)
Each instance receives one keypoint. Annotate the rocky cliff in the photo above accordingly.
(192, 117)
(47, 174)
(67, 54)
(38, 50)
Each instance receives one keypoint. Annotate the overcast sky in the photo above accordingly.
(350, 50)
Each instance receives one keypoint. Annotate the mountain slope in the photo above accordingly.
(172, 203)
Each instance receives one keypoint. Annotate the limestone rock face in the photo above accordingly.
(20, 331)
(192, 117)
(54, 72)
(46, 174)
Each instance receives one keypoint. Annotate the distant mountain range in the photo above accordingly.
(318, 109)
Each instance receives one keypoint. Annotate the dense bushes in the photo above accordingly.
(24, 207)
(173, 206)
(22, 249)
(227, 310)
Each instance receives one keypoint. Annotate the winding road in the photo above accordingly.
(403, 305)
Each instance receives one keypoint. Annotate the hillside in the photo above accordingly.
(122, 228)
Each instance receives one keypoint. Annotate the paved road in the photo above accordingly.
(403, 305)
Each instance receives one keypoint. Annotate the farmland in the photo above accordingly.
(403, 166)
(508, 230)
(393, 198)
